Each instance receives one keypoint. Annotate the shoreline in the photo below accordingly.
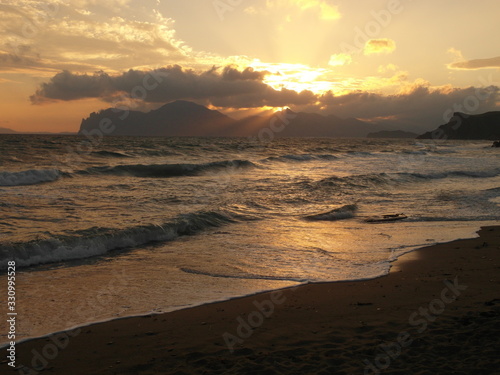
(117, 284)
(262, 322)
(392, 261)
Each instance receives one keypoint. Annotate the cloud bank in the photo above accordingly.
(226, 87)
(418, 106)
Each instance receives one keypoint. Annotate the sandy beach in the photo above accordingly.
(437, 312)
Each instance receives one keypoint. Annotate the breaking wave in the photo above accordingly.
(30, 177)
(168, 170)
(300, 157)
(375, 179)
(345, 212)
(99, 241)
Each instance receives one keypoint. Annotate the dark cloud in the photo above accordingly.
(493, 62)
(420, 108)
(68, 86)
(226, 87)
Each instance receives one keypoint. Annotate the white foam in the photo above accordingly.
(29, 177)
(66, 249)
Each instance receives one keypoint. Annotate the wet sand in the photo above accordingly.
(437, 312)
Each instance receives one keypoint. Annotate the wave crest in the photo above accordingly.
(29, 177)
(345, 212)
(376, 179)
(94, 242)
(168, 170)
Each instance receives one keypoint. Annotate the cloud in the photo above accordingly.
(60, 36)
(461, 63)
(456, 53)
(376, 46)
(419, 107)
(490, 63)
(340, 59)
(226, 87)
(387, 68)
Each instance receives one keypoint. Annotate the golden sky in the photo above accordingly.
(411, 61)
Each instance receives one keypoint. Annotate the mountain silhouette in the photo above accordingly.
(179, 118)
(7, 131)
(184, 118)
(463, 126)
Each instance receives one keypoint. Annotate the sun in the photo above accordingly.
(297, 77)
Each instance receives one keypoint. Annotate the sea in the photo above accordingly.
(112, 227)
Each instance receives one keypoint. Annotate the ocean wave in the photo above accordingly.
(414, 152)
(471, 174)
(419, 219)
(99, 241)
(29, 177)
(376, 179)
(157, 153)
(168, 170)
(15, 159)
(300, 157)
(345, 212)
(359, 153)
(111, 154)
(363, 181)
(447, 174)
(443, 152)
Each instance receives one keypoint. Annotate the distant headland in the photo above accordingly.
(463, 126)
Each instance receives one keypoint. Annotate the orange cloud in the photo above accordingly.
(376, 46)
(491, 63)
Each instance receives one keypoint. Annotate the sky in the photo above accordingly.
(409, 63)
